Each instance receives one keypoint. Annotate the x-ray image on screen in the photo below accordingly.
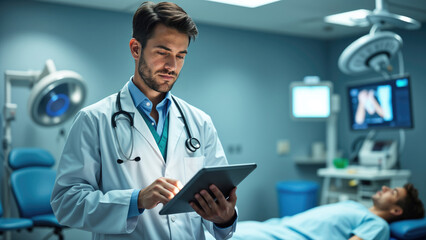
(374, 105)
(384, 103)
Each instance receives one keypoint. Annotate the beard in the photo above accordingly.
(380, 203)
(148, 77)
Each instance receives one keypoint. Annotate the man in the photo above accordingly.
(130, 153)
(343, 220)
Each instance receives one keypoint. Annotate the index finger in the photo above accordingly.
(171, 185)
(174, 182)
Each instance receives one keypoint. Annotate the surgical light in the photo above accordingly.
(55, 96)
(372, 51)
(375, 50)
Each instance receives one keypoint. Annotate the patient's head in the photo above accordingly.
(412, 206)
(398, 203)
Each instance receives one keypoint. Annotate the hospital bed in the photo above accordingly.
(400, 230)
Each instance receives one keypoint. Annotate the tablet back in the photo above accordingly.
(224, 177)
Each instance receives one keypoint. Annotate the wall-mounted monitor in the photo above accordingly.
(310, 101)
(381, 104)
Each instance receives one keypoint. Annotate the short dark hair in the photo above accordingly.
(149, 14)
(411, 205)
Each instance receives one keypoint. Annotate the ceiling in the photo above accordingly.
(292, 17)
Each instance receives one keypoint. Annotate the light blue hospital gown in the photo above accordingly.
(333, 221)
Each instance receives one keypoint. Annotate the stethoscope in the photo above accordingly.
(192, 144)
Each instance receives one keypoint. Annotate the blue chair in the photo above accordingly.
(32, 181)
(9, 224)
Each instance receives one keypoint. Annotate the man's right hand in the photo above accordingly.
(160, 191)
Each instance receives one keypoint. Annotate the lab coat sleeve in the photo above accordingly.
(77, 200)
(215, 155)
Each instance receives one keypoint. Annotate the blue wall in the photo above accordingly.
(239, 77)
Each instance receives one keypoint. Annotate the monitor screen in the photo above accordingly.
(381, 104)
(310, 101)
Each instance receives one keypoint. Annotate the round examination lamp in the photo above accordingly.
(56, 97)
(372, 51)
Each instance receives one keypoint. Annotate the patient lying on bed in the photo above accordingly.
(343, 220)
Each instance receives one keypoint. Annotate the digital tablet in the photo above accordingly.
(224, 177)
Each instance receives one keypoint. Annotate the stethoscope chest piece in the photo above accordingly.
(192, 144)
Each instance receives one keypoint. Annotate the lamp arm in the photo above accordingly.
(19, 78)
(49, 68)
(331, 130)
(401, 63)
(381, 5)
(375, 28)
(401, 146)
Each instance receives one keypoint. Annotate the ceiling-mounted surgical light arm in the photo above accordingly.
(381, 18)
(375, 50)
(381, 5)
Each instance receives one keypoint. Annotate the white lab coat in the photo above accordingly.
(92, 191)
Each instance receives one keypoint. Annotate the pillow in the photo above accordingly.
(409, 229)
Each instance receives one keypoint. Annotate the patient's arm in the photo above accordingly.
(355, 237)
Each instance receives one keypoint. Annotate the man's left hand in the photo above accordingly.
(221, 211)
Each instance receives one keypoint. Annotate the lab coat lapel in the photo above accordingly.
(138, 122)
(176, 128)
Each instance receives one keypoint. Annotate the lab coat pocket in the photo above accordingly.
(192, 166)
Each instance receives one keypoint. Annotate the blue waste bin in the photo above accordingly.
(296, 196)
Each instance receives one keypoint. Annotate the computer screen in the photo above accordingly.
(310, 101)
(381, 104)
